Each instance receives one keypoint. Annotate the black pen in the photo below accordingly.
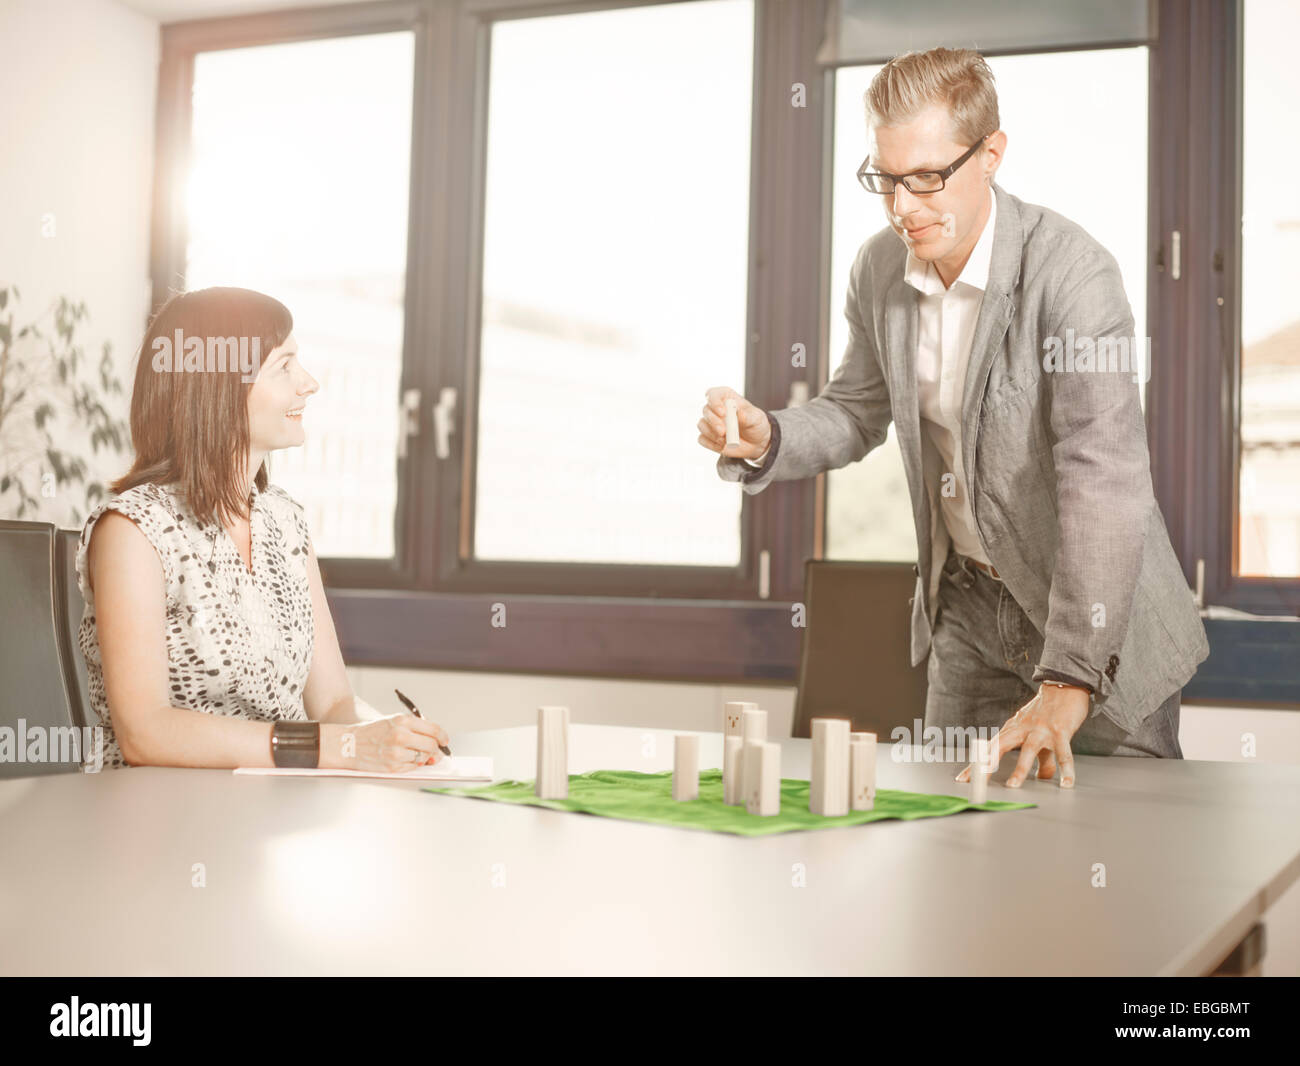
(416, 711)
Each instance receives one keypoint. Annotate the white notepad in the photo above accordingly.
(455, 769)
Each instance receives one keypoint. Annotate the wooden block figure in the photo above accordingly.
(862, 772)
(751, 769)
(686, 767)
(763, 778)
(828, 788)
(753, 726)
(732, 713)
(731, 770)
(733, 424)
(979, 781)
(552, 753)
(853, 738)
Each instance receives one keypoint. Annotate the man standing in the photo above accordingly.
(996, 335)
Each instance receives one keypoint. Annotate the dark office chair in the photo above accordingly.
(34, 662)
(856, 658)
(74, 606)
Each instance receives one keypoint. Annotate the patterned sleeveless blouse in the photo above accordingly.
(238, 643)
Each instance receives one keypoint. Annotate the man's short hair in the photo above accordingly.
(957, 78)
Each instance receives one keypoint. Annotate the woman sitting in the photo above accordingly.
(207, 635)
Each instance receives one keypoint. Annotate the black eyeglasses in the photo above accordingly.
(921, 182)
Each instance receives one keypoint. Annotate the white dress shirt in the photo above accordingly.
(945, 330)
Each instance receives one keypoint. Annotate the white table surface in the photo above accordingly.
(341, 876)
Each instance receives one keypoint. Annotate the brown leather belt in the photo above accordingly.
(983, 566)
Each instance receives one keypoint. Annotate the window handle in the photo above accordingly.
(443, 421)
(1175, 255)
(408, 420)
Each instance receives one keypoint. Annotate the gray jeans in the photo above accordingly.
(982, 658)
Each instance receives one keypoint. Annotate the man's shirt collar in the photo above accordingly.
(923, 276)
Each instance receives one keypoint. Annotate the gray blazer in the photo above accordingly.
(1057, 468)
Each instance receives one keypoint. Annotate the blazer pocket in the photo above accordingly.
(1009, 391)
(1174, 651)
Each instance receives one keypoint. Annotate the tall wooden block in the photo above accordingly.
(763, 797)
(686, 766)
(751, 769)
(731, 770)
(552, 753)
(732, 422)
(732, 714)
(828, 788)
(862, 771)
(753, 726)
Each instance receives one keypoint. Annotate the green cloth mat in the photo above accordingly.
(638, 797)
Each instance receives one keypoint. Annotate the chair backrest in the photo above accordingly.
(74, 606)
(855, 660)
(33, 667)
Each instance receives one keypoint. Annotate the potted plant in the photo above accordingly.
(52, 405)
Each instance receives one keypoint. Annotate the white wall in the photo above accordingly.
(465, 700)
(79, 80)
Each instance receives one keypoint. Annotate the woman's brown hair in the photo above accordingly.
(189, 418)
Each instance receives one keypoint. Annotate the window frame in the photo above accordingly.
(1261, 595)
(1196, 438)
(180, 45)
(668, 622)
(455, 570)
(1197, 415)
(1194, 414)
(424, 611)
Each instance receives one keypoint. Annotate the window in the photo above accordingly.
(613, 208)
(1268, 505)
(869, 511)
(614, 283)
(298, 187)
(558, 243)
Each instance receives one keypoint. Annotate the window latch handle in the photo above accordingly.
(443, 421)
(408, 420)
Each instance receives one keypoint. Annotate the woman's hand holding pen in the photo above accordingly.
(393, 744)
(410, 706)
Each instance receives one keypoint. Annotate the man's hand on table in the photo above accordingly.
(1042, 729)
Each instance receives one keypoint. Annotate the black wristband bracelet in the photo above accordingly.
(296, 744)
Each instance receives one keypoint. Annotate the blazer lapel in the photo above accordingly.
(902, 311)
(995, 314)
